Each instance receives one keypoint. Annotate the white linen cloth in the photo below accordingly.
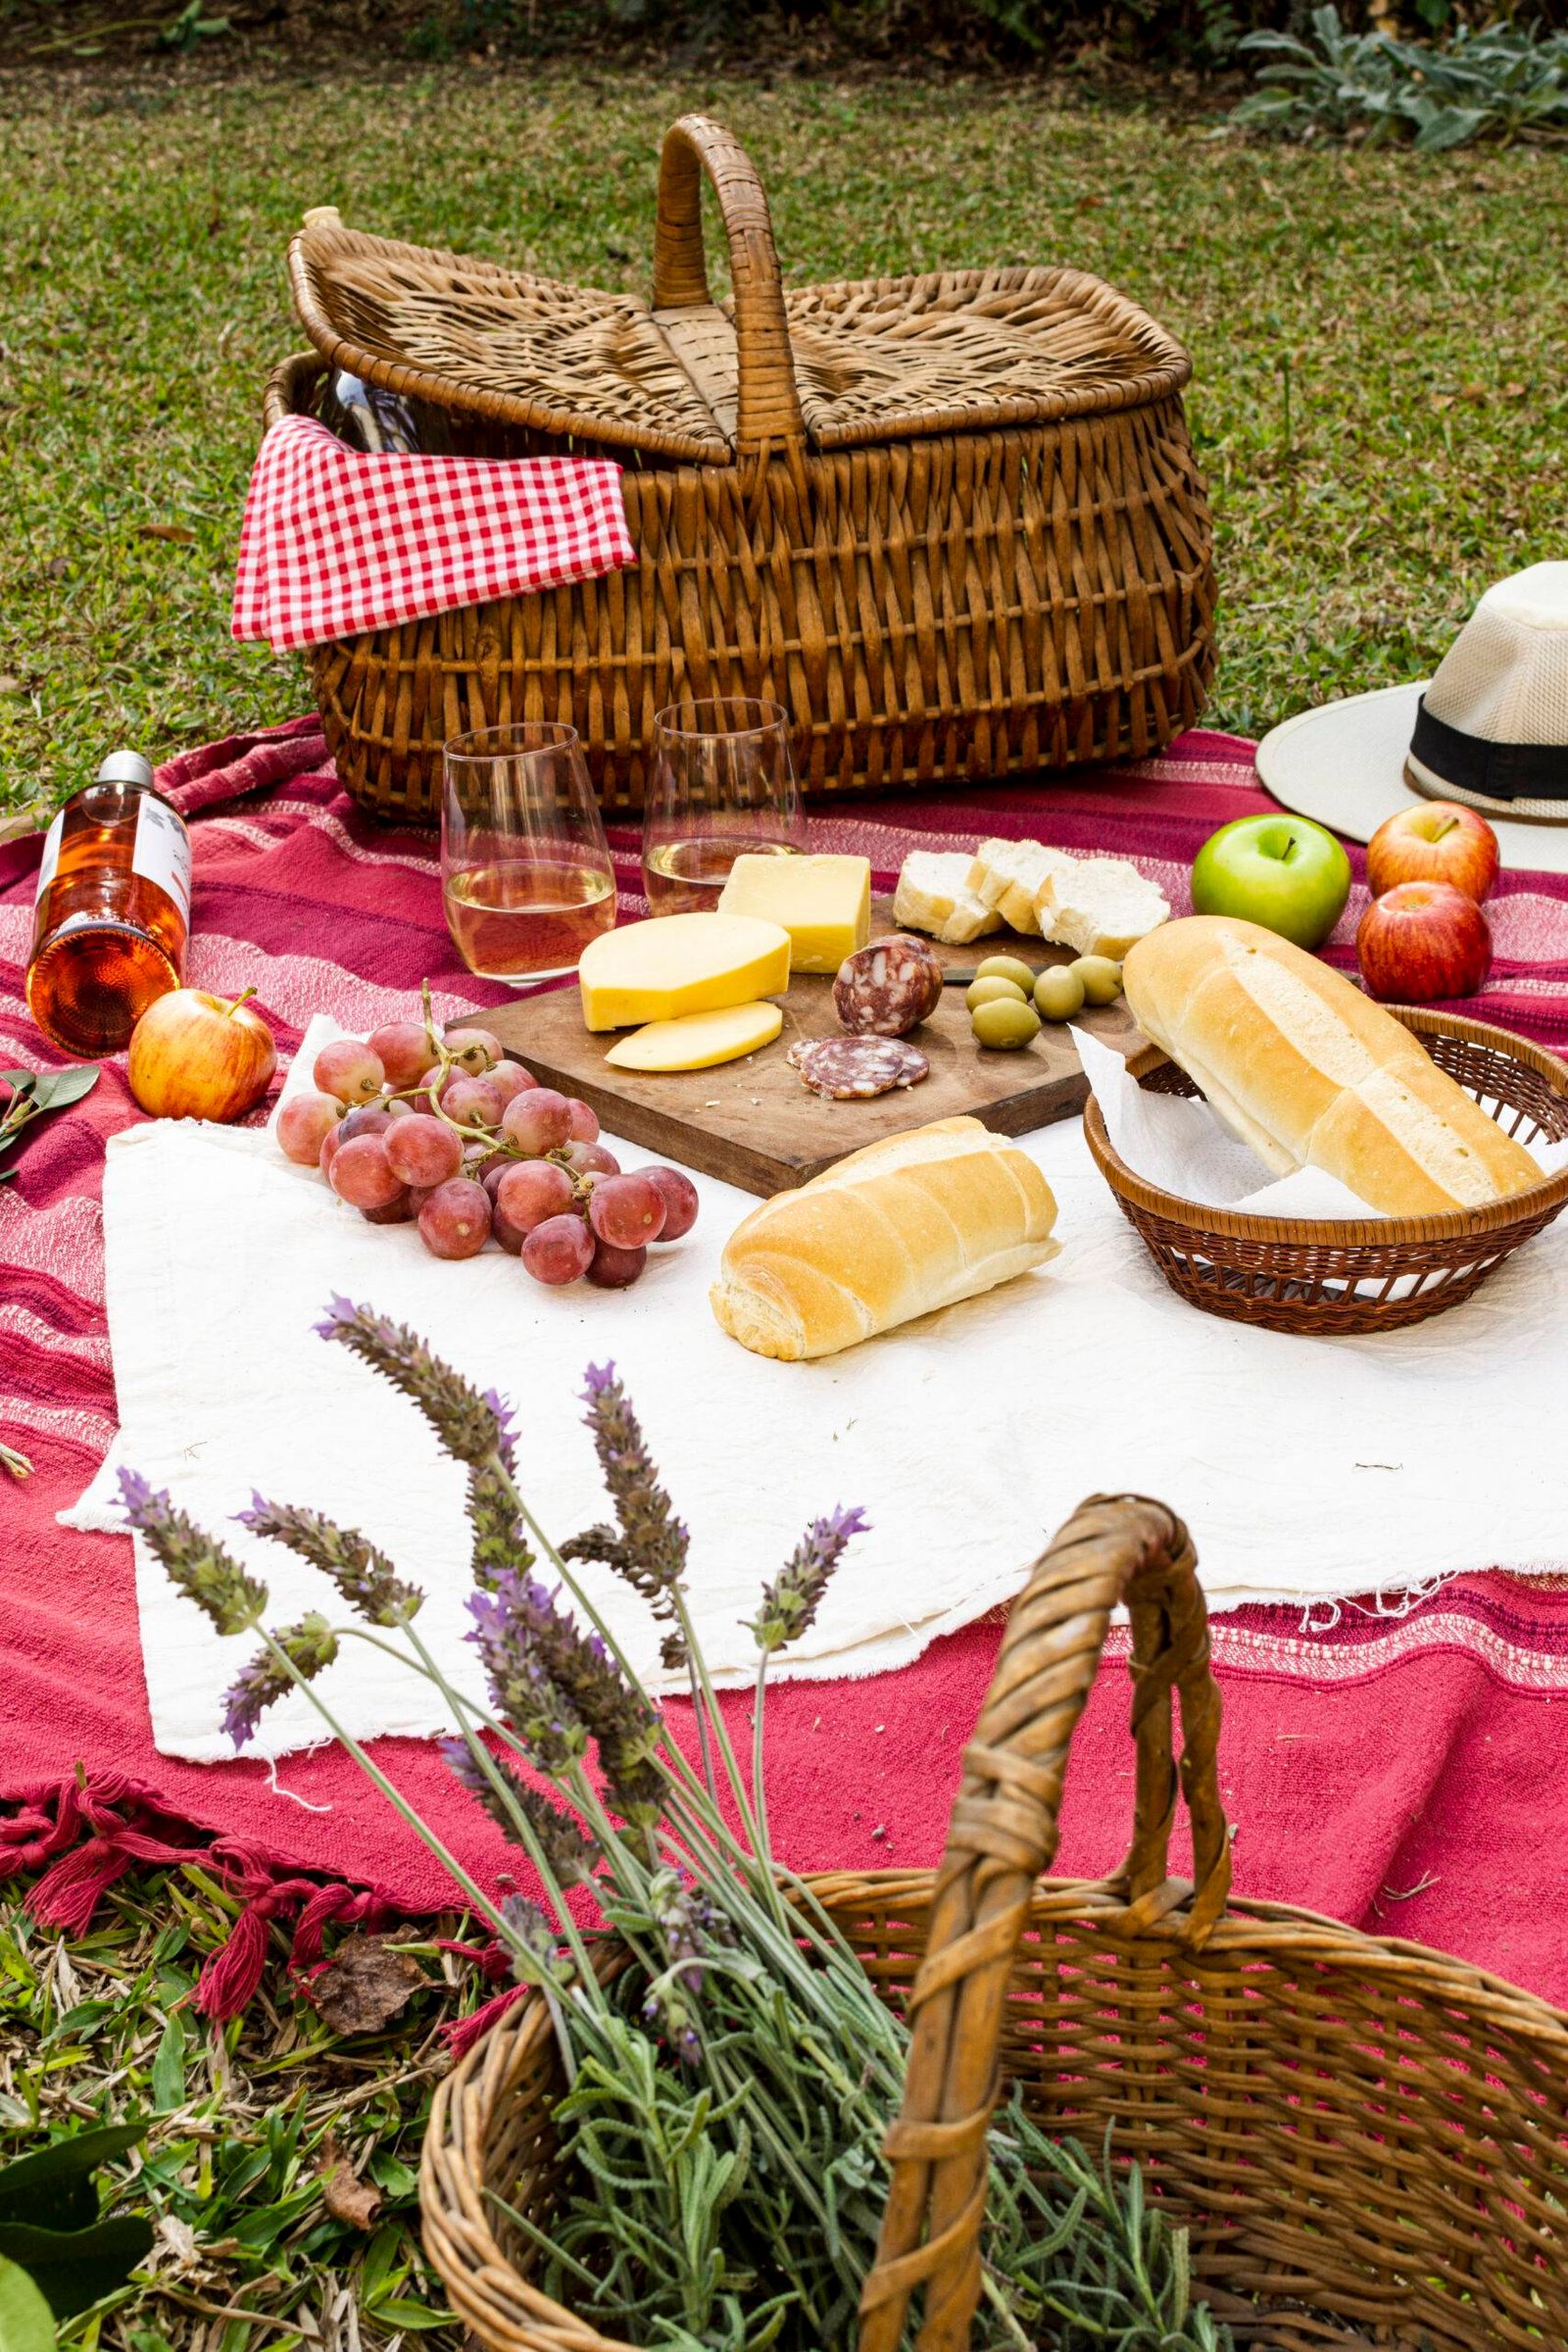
(1307, 1468)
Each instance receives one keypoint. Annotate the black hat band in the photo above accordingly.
(1494, 771)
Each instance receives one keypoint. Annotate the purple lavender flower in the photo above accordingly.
(571, 1856)
(201, 1569)
(469, 1425)
(556, 1687)
(309, 1647)
(363, 1576)
(535, 1952)
(687, 1925)
(792, 1601)
(648, 1547)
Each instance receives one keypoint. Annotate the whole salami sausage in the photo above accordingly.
(853, 1068)
(887, 989)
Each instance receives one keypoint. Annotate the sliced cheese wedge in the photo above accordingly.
(698, 1040)
(676, 964)
(934, 897)
(823, 903)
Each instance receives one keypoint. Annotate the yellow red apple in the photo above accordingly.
(198, 1056)
(1435, 841)
(1421, 942)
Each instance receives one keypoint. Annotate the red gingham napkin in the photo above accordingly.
(335, 542)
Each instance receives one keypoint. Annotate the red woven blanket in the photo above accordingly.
(1401, 1773)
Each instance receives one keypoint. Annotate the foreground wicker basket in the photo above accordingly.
(1384, 1273)
(953, 524)
(1369, 2142)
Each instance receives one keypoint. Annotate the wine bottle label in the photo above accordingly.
(51, 855)
(162, 854)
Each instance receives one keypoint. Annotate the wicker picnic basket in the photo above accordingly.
(952, 523)
(1346, 1275)
(1368, 2142)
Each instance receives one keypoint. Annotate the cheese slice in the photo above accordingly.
(823, 903)
(698, 1040)
(677, 963)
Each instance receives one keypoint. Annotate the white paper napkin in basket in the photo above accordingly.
(1307, 1468)
(1176, 1142)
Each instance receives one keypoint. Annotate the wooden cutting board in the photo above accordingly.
(753, 1123)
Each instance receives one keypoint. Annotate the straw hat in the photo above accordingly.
(1489, 729)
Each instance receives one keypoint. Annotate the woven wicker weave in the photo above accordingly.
(1301, 1275)
(1369, 2142)
(952, 523)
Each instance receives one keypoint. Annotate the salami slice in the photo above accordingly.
(845, 1068)
(887, 989)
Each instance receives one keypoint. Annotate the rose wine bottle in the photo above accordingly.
(113, 910)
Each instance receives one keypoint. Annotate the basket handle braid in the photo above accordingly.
(768, 403)
(1002, 1833)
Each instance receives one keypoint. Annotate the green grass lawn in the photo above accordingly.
(1379, 399)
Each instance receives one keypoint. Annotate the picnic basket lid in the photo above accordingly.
(686, 377)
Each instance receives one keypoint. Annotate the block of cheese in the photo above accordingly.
(824, 904)
(1009, 875)
(934, 897)
(695, 1041)
(1099, 907)
(677, 963)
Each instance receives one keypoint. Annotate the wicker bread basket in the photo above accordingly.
(1368, 2142)
(952, 523)
(1341, 1275)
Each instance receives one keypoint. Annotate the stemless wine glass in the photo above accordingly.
(721, 785)
(526, 873)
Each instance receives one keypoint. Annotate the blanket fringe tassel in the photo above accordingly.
(85, 1834)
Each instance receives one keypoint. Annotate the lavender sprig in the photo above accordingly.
(364, 1575)
(687, 1924)
(791, 1602)
(193, 1560)
(571, 1856)
(309, 1647)
(538, 1954)
(470, 1426)
(649, 1547)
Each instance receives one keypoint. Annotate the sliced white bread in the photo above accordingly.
(1009, 876)
(934, 896)
(1098, 907)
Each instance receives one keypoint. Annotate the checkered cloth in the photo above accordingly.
(335, 542)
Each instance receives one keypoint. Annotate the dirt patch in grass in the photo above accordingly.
(1378, 402)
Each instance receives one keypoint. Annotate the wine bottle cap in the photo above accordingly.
(125, 768)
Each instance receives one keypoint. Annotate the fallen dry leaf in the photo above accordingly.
(364, 1985)
(174, 531)
(346, 2197)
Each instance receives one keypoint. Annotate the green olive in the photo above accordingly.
(1059, 992)
(1100, 976)
(1004, 1024)
(989, 987)
(1007, 967)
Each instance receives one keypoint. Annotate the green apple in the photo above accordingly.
(1278, 870)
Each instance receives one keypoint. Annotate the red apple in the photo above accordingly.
(196, 1057)
(1423, 941)
(1435, 841)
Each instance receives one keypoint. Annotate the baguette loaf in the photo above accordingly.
(1298, 1063)
(911, 1223)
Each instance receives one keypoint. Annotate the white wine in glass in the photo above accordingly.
(722, 786)
(526, 878)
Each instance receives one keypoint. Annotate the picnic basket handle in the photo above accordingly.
(1002, 1833)
(768, 406)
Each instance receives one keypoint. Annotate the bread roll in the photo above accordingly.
(1298, 1063)
(909, 1224)
(1098, 907)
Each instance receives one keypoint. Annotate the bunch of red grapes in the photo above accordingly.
(445, 1133)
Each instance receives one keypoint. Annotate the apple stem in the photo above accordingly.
(243, 997)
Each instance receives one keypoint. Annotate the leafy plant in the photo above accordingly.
(25, 1095)
(1499, 83)
(190, 25)
(52, 2228)
(730, 2072)
(26, 2324)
